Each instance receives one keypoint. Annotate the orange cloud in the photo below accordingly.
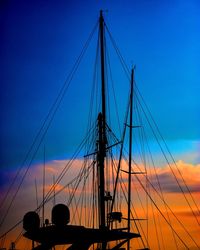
(189, 172)
(26, 199)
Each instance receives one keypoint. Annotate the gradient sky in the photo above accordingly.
(40, 41)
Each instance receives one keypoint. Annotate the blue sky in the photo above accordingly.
(40, 41)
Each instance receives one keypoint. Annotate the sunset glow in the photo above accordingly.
(172, 195)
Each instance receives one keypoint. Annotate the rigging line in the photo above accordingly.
(140, 135)
(27, 169)
(42, 137)
(81, 196)
(90, 144)
(135, 189)
(154, 122)
(69, 193)
(164, 216)
(157, 217)
(96, 76)
(86, 201)
(159, 185)
(160, 196)
(156, 229)
(125, 67)
(89, 187)
(183, 192)
(161, 232)
(3, 241)
(112, 134)
(68, 165)
(166, 205)
(132, 214)
(134, 162)
(77, 184)
(48, 194)
(36, 193)
(19, 237)
(106, 82)
(78, 177)
(90, 198)
(114, 95)
(181, 224)
(126, 70)
(54, 192)
(144, 137)
(48, 198)
(90, 201)
(94, 84)
(20, 184)
(93, 196)
(75, 211)
(121, 151)
(113, 164)
(76, 187)
(137, 143)
(63, 89)
(145, 237)
(9, 230)
(107, 168)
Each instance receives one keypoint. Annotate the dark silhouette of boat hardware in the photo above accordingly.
(60, 233)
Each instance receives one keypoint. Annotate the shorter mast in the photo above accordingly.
(43, 191)
(130, 155)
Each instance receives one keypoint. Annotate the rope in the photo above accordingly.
(170, 165)
(50, 115)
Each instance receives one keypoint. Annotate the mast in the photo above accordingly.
(102, 132)
(130, 156)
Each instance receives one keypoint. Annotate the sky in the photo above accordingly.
(40, 41)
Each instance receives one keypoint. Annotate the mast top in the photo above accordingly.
(101, 16)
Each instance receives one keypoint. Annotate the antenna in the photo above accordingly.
(36, 193)
(43, 193)
(54, 191)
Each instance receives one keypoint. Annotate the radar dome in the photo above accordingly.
(31, 221)
(60, 215)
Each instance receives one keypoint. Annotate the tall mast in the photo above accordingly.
(130, 155)
(102, 131)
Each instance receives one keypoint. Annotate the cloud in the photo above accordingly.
(173, 181)
(30, 192)
(187, 213)
(26, 200)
